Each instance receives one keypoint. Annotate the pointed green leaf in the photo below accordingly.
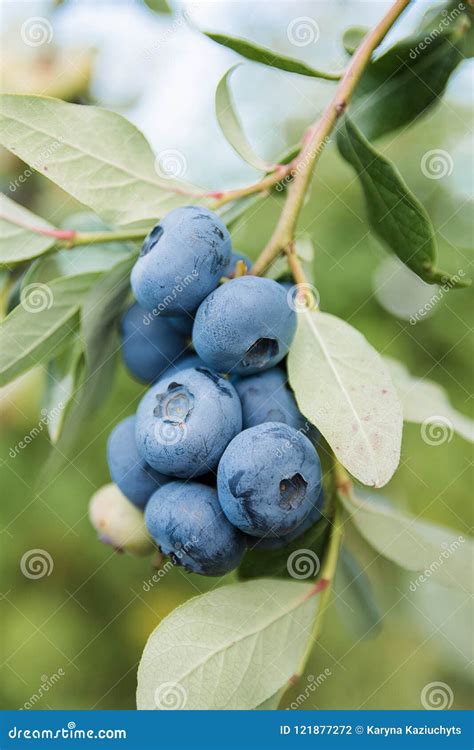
(425, 402)
(410, 77)
(420, 546)
(394, 213)
(62, 381)
(18, 243)
(40, 326)
(232, 648)
(352, 401)
(230, 124)
(95, 155)
(354, 597)
(267, 57)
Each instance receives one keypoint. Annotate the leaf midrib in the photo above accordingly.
(335, 372)
(247, 635)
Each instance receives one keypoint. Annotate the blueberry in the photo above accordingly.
(186, 420)
(246, 325)
(149, 344)
(266, 397)
(269, 479)
(118, 522)
(135, 478)
(181, 261)
(269, 542)
(187, 522)
(235, 257)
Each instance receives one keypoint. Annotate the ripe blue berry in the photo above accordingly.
(186, 420)
(269, 479)
(181, 261)
(187, 523)
(244, 326)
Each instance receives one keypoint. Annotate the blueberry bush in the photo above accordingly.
(263, 417)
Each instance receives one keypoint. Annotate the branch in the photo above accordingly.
(318, 137)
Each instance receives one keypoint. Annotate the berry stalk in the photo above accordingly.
(318, 137)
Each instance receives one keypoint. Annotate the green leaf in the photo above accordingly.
(158, 6)
(352, 400)
(232, 648)
(17, 243)
(230, 124)
(420, 546)
(354, 597)
(95, 155)
(425, 402)
(100, 313)
(267, 57)
(410, 77)
(40, 326)
(352, 37)
(394, 213)
(63, 377)
(272, 703)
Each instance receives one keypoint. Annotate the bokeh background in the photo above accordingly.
(89, 619)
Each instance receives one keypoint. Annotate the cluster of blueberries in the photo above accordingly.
(216, 455)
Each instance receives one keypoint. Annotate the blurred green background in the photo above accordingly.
(90, 618)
